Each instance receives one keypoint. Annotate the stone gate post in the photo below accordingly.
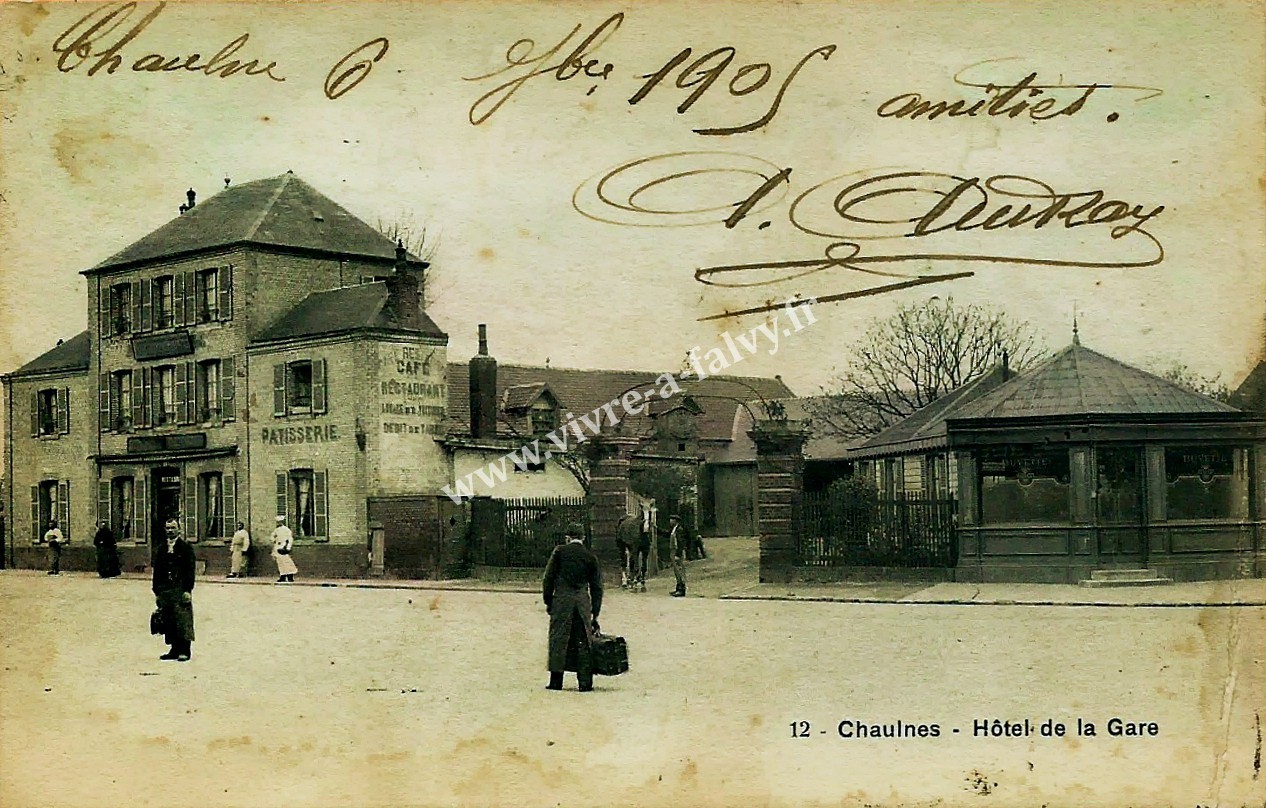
(779, 492)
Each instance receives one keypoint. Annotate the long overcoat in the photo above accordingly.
(173, 577)
(107, 552)
(572, 589)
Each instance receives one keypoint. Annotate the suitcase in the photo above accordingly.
(610, 655)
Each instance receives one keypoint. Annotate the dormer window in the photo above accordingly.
(544, 417)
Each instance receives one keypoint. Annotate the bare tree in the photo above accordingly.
(920, 353)
(1183, 376)
(405, 229)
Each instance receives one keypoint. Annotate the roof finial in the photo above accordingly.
(1076, 338)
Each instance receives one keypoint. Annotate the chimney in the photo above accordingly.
(483, 390)
(191, 195)
(404, 297)
(1006, 365)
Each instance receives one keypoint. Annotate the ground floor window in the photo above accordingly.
(123, 502)
(211, 504)
(50, 500)
(1024, 484)
(1206, 482)
(302, 499)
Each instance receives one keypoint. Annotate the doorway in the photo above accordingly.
(166, 488)
(1119, 506)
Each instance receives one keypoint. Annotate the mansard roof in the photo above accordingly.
(71, 355)
(280, 212)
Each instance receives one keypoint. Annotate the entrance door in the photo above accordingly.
(1119, 506)
(166, 501)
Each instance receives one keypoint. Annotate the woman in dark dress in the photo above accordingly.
(107, 551)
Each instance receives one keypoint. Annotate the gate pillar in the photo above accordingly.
(779, 495)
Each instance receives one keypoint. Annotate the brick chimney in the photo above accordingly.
(483, 390)
(404, 297)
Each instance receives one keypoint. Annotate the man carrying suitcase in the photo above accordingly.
(572, 589)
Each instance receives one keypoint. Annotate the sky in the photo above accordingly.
(579, 273)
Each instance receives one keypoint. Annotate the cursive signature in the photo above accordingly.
(1024, 98)
(89, 37)
(578, 61)
(957, 217)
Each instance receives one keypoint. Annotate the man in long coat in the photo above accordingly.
(107, 551)
(173, 592)
(573, 597)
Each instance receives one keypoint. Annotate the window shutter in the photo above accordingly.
(63, 410)
(103, 310)
(279, 390)
(227, 389)
(151, 397)
(63, 507)
(182, 393)
(105, 405)
(178, 300)
(318, 385)
(191, 509)
(147, 305)
(103, 503)
(136, 305)
(191, 298)
(35, 414)
(35, 513)
(140, 510)
(281, 494)
(228, 485)
(112, 414)
(138, 398)
(195, 399)
(320, 505)
(226, 293)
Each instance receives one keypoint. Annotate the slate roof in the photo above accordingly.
(581, 391)
(346, 310)
(1079, 381)
(522, 396)
(71, 355)
(925, 428)
(281, 211)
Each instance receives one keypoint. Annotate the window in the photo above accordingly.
(1206, 482)
(166, 409)
(299, 386)
(50, 500)
(544, 418)
(1024, 484)
(208, 295)
(121, 400)
(123, 507)
(301, 498)
(47, 412)
(120, 311)
(211, 504)
(164, 302)
(208, 388)
(46, 507)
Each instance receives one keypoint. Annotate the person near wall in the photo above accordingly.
(238, 545)
(646, 531)
(107, 551)
(173, 592)
(626, 541)
(283, 547)
(53, 538)
(572, 589)
(677, 540)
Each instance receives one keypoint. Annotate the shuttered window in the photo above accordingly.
(303, 498)
(50, 412)
(301, 386)
(225, 279)
(228, 389)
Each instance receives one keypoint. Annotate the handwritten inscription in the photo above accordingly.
(354, 68)
(1024, 98)
(90, 37)
(524, 63)
(872, 206)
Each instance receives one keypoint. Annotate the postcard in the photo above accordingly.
(731, 403)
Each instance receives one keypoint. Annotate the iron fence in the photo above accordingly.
(907, 530)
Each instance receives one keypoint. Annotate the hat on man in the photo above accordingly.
(574, 530)
(281, 518)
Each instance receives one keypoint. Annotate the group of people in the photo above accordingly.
(633, 537)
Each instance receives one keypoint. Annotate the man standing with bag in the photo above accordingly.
(173, 592)
(283, 545)
(572, 589)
